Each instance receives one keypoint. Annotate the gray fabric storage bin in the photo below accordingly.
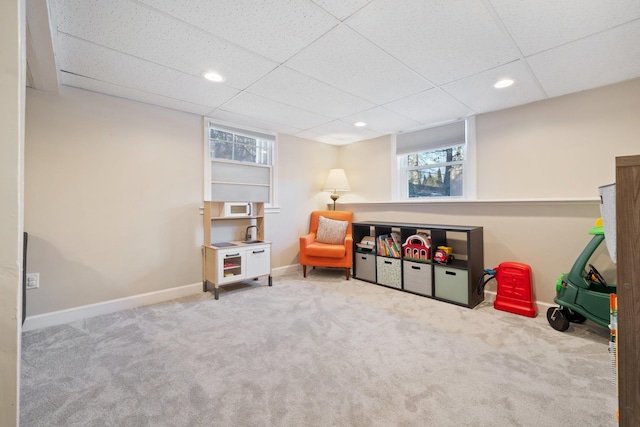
(417, 278)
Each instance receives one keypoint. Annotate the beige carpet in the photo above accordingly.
(320, 351)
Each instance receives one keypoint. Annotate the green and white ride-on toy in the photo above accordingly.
(582, 294)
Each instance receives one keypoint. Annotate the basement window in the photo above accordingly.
(239, 164)
(433, 163)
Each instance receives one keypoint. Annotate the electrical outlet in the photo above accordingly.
(33, 280)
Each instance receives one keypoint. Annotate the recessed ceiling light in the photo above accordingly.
(214, 77)
(360, 124)
(503, 83)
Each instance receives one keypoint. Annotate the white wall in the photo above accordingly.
(369, 166)
(303, 167)
(12, 82)
(113, 190)
(563, 148)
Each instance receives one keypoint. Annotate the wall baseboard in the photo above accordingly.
(77, 313)
(287, 269)
(86, 311)
(490, 297)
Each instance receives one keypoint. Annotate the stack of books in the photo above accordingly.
(389, 245)
(367, 244)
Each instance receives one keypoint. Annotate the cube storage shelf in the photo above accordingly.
(455, 282)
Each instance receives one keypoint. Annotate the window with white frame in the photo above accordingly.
(239, 164)
(432, 163)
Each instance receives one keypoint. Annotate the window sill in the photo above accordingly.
(443, 202)
(272, 210)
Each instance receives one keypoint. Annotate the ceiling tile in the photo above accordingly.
(295, 89)
(349, 62)
(313, 67)
(274, 29)
(132, 94)
(478, 92)
(337, 133)
(430, 106)
(341, 9)
(159, 39)
(86, 59)
(251, 122)
(442, 40)
(251, 105)
(543, 24)
(381, 120)
(605, 58)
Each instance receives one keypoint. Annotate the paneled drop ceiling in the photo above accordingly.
(313, 68)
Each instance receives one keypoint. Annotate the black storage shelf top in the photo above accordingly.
(418, 226)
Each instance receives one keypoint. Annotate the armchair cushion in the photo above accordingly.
(331, 231)
(326, 250)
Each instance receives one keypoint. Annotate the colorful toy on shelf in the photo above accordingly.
(417, 247)
(443, 255)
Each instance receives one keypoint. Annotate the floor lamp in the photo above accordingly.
(336, 181)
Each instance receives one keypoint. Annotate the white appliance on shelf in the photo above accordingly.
(237, 210)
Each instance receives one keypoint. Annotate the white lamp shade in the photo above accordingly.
(336, 181)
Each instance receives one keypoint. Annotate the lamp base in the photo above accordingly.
(334, 197)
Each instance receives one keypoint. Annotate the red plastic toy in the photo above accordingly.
(515, 293)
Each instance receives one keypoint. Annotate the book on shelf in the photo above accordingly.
(391, 247)
(379, 246)
(397, 243)
(387, 247)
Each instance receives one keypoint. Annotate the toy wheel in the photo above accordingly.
(557, 319)
(573, 316)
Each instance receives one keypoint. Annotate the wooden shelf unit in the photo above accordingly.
(234, 260)
(214, 213)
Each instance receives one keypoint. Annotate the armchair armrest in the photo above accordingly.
(307, 239)
(348, 245)
(348, 240)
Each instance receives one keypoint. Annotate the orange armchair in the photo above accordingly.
(329, 242)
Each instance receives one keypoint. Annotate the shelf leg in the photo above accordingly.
(216, 292)
(270, 282)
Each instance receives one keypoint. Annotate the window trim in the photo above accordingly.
(209, 123)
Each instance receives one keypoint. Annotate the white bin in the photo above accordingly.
(608, 213)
